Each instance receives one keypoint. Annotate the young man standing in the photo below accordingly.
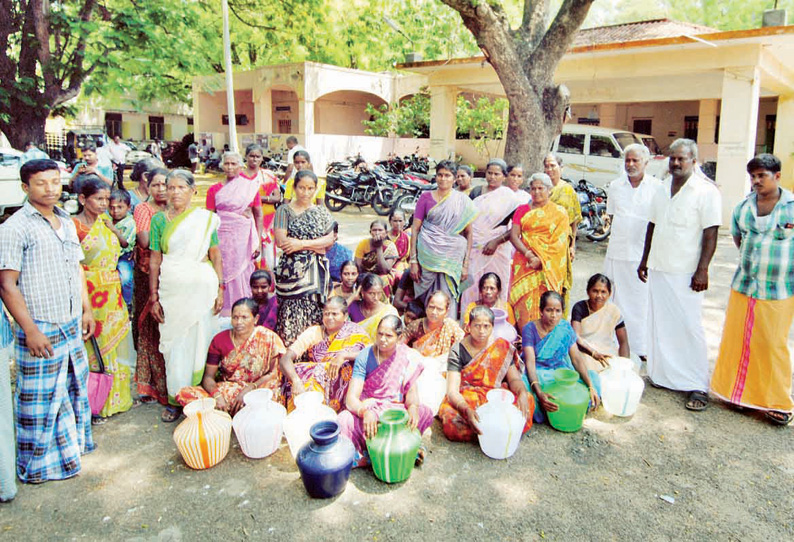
(754, 364)
(43, 286)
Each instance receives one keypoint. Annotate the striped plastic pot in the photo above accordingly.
(203, 438)
(393, 449)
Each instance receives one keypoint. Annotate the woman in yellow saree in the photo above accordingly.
(329, 351)
(541, 235)
(370, 309)
(100, 241)
(434, 335)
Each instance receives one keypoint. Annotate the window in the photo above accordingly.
(156, 127)
(624, 139)
(240, 120)
(284, 126)
(113, 124)
(603, 146)
(642, 126)
(691, 128)
(587, 121)
(190, 121)
(571, 144)
(771, 127)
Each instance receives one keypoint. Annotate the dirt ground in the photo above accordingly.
(665, 473)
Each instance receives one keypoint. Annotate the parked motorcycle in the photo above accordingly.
(411, 189)
(367, 187)
(595, 223)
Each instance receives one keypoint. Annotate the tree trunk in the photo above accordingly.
(25, 123)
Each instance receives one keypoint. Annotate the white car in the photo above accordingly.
(135, 155)
(11, 194)
(593, 153)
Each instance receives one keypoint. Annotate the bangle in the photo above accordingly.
(533, 383)
(221, 286)
(414, 261)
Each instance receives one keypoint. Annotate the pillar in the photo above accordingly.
(306, 121)
(608, 115)
(784, 139)
(707, 127)
(738, 126)
(263, 112)
(443, 121)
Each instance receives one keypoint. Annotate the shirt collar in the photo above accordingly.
(30, 210)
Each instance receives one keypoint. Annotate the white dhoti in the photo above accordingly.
(630, 294)
(677, 353)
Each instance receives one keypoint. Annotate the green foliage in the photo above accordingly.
(483, 120)
(409, 118)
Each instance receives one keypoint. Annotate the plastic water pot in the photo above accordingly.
(203, 438)
(309, 409)
(393, 449)
(621, 387)
(259, 424)
(571, 396)
(501, 424)
(325, 461)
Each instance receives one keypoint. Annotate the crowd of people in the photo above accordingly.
(179, 302)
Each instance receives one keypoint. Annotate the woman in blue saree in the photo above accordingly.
(550, 344)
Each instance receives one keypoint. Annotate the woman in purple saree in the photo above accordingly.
(441, 238)
(383, 378)
(236, 201)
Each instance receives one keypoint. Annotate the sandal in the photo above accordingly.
(98, 420)
(779, 418)
(146, 399)
(420, 455)
(171, 414)
(697, 401)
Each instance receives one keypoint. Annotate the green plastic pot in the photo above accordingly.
(393, 449)
(571, 396)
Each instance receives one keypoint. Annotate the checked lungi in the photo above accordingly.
(53, 415)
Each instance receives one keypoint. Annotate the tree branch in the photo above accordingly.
(558, 38)
(249, 23)
(535, 19)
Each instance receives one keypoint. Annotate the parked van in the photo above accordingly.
(11, 195)
(593, 153)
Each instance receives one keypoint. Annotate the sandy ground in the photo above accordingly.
(727, 476)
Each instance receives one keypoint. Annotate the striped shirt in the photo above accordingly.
(48, 262)
(766, 255)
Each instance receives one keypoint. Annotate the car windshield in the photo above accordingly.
(653, 147)
(131, 145)
(625, 139)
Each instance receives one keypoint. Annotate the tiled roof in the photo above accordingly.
(640, 30)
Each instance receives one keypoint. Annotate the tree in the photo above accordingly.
(482, 121)
(525, 59)
(409, 118)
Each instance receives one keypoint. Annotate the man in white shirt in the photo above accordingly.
(292, 147)
(680, 241)
(118, 155)
(629, 205)
(32, 152)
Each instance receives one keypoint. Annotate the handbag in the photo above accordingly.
(99, 383)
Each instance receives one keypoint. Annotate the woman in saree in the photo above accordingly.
(491, 251)
(549, 344)
(476, 365)
(490, 289)
(401, 240)
(238, 204)
(348, 287)
(599, 325)
(239, 360)
(441, 238)
(540, 235)
(140, 175)
(463, 179)
(329, 351)
(515, 182)
(101, 248)
(150, 368)
(384, 377)
(185, 273)
(302, 161)
(564, 195)
(435, 333)
(368, 311)
(377, 255)
(269, 195)
(303, 231)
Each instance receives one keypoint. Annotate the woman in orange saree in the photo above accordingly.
(478, 364)
(541, 236)
(434, 334)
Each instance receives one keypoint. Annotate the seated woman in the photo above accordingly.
(404, 293)
(239, 360)
(348, 287)
(434, 334)
(383, 378)
(476, 365)
(331, 349)
(338, 255)
(490, 286)
(598, 323)
(378, 254)
(262, 292)
(368, 311)
(401, 240)
(550, 344)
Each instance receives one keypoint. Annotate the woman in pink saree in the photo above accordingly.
(491, 251)
(384, 377)
(236, 201)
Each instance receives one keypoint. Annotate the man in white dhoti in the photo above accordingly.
(679, 243)
(629, 205)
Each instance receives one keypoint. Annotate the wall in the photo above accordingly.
(328, 148)
(213, 107)
(343, 112)
(285, 98)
